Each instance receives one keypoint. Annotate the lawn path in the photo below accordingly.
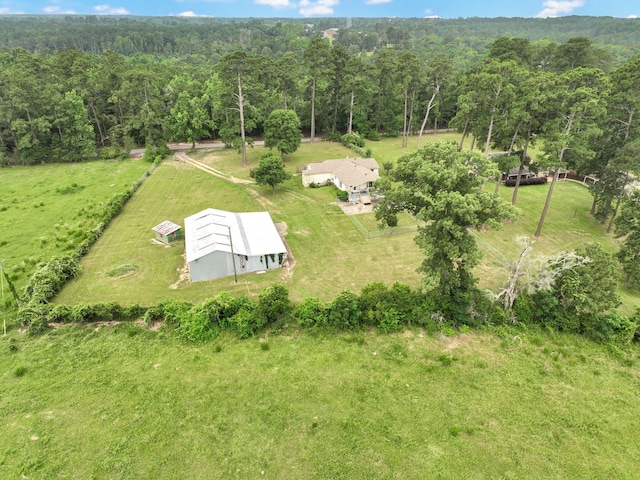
(187, 159)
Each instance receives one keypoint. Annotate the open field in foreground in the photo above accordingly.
(125, 403)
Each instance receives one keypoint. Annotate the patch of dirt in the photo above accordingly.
(261, 200)
(350, 208)
(452, 343)
(289, 262)
(184, 274)
(155, 241)
(112, 323)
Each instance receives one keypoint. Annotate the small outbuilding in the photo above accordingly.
(167, 232)
(220, 243)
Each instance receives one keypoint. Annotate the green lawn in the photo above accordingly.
(123, 403)
(331, 254)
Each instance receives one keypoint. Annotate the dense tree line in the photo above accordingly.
(462, 38)
(60, 107)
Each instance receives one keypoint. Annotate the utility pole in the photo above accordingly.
(4, 318)
(233, 257)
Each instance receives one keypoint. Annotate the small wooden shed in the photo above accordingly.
(167, 232)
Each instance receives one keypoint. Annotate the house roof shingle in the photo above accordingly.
(352, 172)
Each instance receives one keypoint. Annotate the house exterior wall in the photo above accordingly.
(319, 178)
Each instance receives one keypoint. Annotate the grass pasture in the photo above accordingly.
(128, 403)
(45, 209)
(125, 402)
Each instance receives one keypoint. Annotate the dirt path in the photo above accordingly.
(183, 157)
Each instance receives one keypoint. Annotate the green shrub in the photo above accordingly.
(331, 137)
(392, 220)
(273, 303)
(311, 312)
(611, 328)
(60, 314)
(352, 139)
(390, 321)
(342, 195)
(49, 278)
(372, 135)
(20, 371)
(112, 153)
(524, 308)
(246, 323)
(344, 311)
(174, 311)
(195, 325)
(372, 302)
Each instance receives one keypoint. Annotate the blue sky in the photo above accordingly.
(329, 8)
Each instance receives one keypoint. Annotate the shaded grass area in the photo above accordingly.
(45, 209)
(568, 226)
(127, 403)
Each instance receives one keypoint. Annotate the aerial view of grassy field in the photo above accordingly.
(130, 402)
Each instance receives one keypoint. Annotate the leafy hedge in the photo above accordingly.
(511, 182)
(356, 143)
(37, 317)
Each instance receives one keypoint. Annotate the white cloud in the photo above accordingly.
(8, 11)
(428, 13)
(377, 2)
(189, 13)
(274, 3)
(54, 9)
(553, 8)
(632, 16)
(318, 7)
(109, 10)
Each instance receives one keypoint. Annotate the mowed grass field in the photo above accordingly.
(128, 403)
(331, 254)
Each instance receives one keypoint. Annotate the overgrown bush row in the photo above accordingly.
(511, 182)
(356, 143)
(37, 317)
(389, 309)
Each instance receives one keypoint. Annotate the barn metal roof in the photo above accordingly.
(166, 228)
(251, 233)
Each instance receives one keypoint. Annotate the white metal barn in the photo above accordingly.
(220, 243)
